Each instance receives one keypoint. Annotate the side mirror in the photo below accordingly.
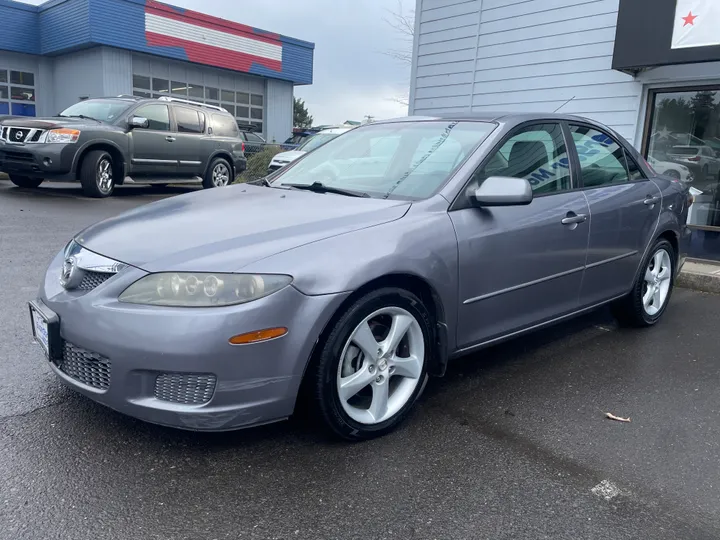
(139, 122)
(503, 191)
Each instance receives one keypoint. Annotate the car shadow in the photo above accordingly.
(75, 191)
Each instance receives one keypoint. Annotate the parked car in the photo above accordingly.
(311, 143)
(700, 159)
(357, 283)
(671, 169)
(254, 143)
(106, 142)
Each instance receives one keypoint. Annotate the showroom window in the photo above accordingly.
(683, 141)
(17, 93)
(246, 107)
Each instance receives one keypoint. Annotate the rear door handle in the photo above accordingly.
(573, 218)
(170, 138)
(651, 201)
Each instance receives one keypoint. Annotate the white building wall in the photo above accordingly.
(522, 56)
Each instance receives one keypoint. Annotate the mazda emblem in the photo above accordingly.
(70, 274)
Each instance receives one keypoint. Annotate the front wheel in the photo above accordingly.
(651, 293)
(96, 174)
(218, 175)
(373, 365)
(25, 181)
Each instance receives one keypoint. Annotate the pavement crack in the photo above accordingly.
(8, 417)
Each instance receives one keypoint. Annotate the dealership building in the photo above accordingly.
(64, 51)
(650, 69)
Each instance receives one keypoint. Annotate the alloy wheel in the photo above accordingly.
(656, 286)
(104, 176)
(380, 365)
(220, 175)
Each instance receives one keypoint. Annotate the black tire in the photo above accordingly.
(324, 368)
(630, 311)
(26, 181)
(217, 165)
(95, 166)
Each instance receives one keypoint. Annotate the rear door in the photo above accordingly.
(624, 212)
(522, 265)
(153, 150)
(190, 146)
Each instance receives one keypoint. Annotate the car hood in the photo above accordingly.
(224, 229)
(289, 156)
(49, 123)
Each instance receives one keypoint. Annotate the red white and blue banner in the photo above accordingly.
(211, 41)
(697, 24)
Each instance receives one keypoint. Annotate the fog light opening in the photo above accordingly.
(258, 336)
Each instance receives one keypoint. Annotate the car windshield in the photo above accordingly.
(316, 141)
(104, 110)
(407, 160)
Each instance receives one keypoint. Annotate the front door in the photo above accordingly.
(522, 265)
(153, 152)
(624, 212)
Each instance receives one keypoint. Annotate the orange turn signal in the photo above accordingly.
(258, 335)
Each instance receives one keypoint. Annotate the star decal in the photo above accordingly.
(690, 19)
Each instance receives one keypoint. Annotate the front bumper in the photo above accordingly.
(50, 161)
(146, 346)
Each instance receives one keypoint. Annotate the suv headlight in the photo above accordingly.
(62, 135)
(178, 289)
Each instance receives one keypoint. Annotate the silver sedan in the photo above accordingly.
(350, 276)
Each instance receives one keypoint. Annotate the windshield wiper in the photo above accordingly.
(319, 187)
(82, 116)
(259, 182)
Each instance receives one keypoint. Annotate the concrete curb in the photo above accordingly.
(700, 276)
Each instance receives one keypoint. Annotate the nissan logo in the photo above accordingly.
(19, 135)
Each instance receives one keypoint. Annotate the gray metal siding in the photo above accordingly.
(117, 71)
(76, 75)
(527, 55)
(278, 110)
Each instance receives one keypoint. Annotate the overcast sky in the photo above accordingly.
(351, 76)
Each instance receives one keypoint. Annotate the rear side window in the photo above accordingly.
(224, 125)
(188, 120)
(253, 138)
(602, 159)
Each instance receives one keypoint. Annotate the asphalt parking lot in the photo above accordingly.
(512, 443)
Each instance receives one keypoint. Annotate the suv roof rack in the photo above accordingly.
(128, 96)
(189, 102)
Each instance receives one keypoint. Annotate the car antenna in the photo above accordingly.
(561, 106)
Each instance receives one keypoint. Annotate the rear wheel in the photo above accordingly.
(25, 181)
(651, 293)
(219, 174)
(373, 365)
(97, 174)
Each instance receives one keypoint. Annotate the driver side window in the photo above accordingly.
(536, 153)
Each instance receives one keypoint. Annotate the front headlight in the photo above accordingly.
(202, 290)
(63, 135)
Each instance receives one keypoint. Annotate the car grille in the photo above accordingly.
(17, 156)
(185, 388)
(87, 367)
(93, 279)
(16, 135)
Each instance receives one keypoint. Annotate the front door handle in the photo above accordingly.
(573, 218)
(651, 201)
(170, 138)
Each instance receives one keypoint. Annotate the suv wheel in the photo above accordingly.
(219, 174)
(96, 174)
(25, 181)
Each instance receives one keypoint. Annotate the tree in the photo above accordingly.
(403, 23)
(301, 116)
